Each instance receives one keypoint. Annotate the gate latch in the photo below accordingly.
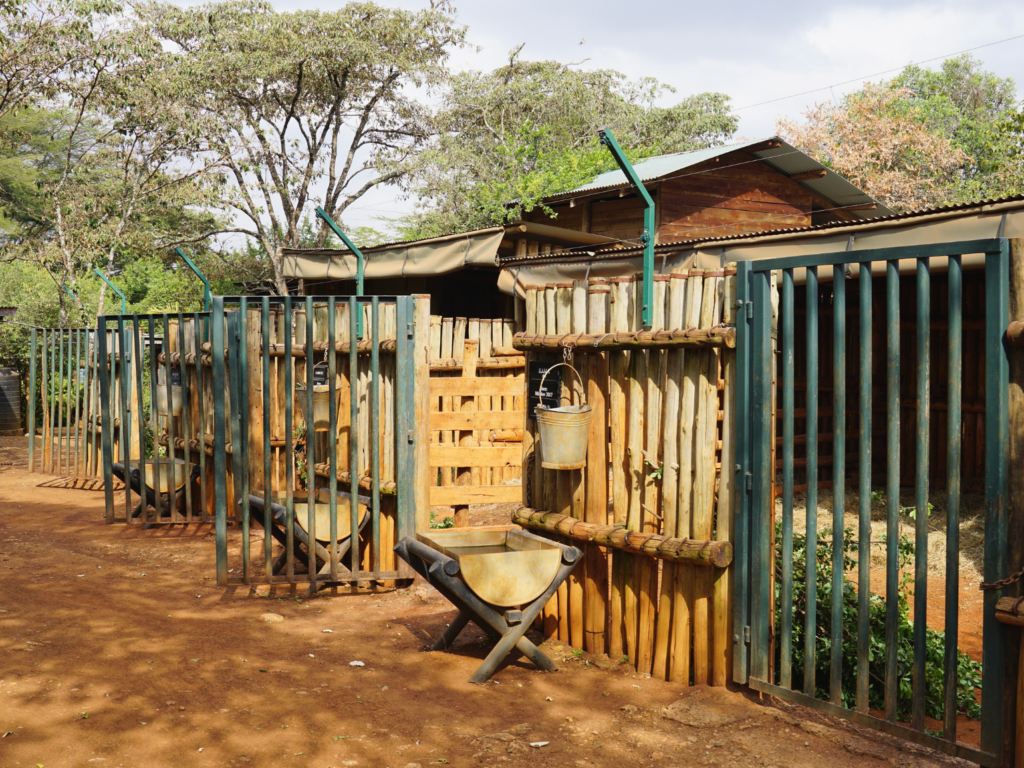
(750, 310)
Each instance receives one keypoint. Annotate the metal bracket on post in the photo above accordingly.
(207, 295)
(647, 238)
(124, 305)
(360, 261)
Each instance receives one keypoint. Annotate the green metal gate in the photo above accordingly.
(764, 618)
(358, 462)
(62, 399)
(153, 395)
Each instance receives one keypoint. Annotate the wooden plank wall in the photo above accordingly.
(730, 195)
(653, 465)
(493, 359)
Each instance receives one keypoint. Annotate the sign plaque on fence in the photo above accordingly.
(549, 396)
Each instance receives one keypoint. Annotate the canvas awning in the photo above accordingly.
(432, 256)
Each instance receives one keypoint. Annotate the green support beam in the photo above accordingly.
(360, 262)
(124, 305)
(647, 238)
(206, 283)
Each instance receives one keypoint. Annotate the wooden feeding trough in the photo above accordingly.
(166, 483)
(499, 577)
(300, 540)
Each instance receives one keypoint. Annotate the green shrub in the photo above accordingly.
(968, 671)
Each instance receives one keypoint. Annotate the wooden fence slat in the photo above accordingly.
(480, 494)
(474, 456)
(473, 386)
(479, 420)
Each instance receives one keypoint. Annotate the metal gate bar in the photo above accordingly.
(230, 345)
(125, 379)
(755, 507)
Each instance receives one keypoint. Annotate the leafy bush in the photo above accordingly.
(968, 671)
(446, 522)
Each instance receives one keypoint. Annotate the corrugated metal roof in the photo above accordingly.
(613, 253)
(785, 158)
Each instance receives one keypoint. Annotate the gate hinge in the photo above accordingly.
(409, 329)
(410, 436)
(749, 480)
(750, 310)
(746, 635)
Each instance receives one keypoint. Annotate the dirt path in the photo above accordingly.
(117, 650)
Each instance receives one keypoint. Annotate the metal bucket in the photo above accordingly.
(161, 399)
(563, 431)
(321, 403)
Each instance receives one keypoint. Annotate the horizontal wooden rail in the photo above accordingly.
(363, 347)
(1010, 610)
(1015, 333)
(474, 456)
(476, 420)
(462, 387)
(715, 553)
(488, 363)
(345, 478)
(458, 495)
(719, 336)
(505, 352)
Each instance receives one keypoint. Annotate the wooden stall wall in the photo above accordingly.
(973, 407)
(653, 469)
(492, 358)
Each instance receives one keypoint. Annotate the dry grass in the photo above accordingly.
(972, 526)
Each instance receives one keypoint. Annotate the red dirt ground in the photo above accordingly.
(118, 650)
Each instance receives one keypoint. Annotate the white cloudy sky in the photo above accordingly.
(753, 51)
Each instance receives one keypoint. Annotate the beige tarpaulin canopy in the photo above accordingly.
(983, 221)
(433, 256)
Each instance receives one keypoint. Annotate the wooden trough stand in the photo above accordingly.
(499, 577)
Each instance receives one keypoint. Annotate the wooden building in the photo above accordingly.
(736, 189)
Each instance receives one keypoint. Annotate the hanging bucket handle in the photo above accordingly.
(549, 370)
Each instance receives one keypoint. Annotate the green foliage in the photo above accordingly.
(301, 107)
(508, 138)
(969, 672)
(971, 107)
(447, 522)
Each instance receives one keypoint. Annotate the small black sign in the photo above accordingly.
(549, 398)
(175, 377)
(320, 376)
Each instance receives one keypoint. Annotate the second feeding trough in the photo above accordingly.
(499, 577)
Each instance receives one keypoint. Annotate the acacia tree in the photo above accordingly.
(40, 42)
(878, 139)
(115, 179)
(506, 139)
(304, 108)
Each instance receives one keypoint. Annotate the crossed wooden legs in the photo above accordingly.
(507, 629)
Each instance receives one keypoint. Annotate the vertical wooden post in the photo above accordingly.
(617, 409)
(421, 397)
(670, 475)
(597, 476)
(465, 437)
(1013, 728)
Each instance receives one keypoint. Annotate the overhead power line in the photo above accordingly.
(877, 74)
